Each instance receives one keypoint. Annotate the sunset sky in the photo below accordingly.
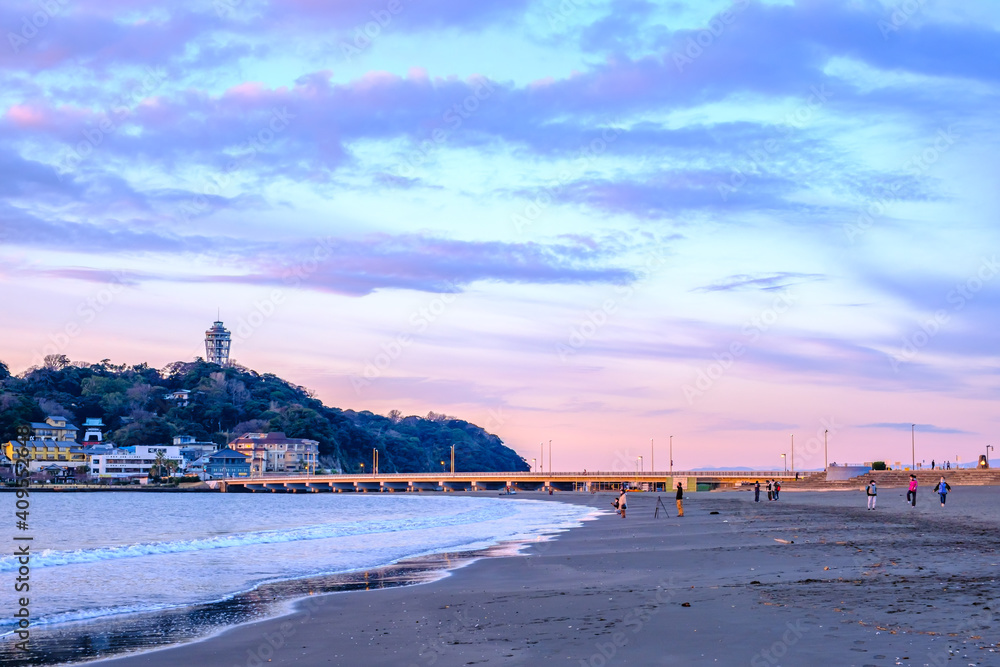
(589, 222)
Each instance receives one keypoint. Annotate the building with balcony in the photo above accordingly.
(43, 452)
(134, 461)
(275, 452)
(57, 428)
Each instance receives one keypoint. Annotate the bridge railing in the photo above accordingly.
(595, 474)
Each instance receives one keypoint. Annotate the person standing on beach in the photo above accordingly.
(872, 492)
(932, 464)
(680, 499)
(623, 501)
(756, 491)
(911, 493)
(942, 489)
(770, 490)
(777, 488)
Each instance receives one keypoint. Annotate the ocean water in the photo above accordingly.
(119, 564)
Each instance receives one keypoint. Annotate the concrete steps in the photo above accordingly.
(926, 479)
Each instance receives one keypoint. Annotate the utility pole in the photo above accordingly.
(793, 452)
(541, 455)
(913, 448)
(550, 457)
(453, 459)
(652, 454)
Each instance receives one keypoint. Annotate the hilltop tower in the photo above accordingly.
(217, 341)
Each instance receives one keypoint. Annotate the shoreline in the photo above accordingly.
(133, 634)
(796, 581)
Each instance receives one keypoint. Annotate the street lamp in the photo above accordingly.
(913, 448)
(988, 448)
(826, 458)
(671, 456)
(550, 457)
(640, 465)
(453, 459)
(362, 468)
(442, 466)
(784, 460)
(793, 452)
(534, 465)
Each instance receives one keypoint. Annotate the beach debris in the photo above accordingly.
(713, 512)
(826, 567)
(685, 604)
(778, 539)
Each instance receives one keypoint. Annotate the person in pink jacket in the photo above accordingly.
(911, 494)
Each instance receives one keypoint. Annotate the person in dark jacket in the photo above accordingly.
(942, 490)
(680, 499)
(872, 491)
(756, 491)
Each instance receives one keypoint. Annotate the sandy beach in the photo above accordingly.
(812, 579)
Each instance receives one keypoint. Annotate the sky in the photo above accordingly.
(746, 225)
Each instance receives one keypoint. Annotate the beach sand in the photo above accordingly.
(813, 579)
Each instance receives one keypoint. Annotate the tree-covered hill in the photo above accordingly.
(228, 401)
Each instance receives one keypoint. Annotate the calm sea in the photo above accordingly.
(111, 572)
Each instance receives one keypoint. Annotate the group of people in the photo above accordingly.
(621, 503)
(941, 488)
(773, 489)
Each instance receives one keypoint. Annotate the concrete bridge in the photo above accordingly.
(494, 481)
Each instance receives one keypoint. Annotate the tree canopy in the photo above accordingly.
(227, 401)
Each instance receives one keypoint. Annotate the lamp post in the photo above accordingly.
(374, 461)
(453, 459)
(793, 452)
(913, 448)
(541, 454)
(671, 456)
(784, 460)
(550, 457)
(534, 465)
(988, 448)
(652, 457)
(362, 468)
(442, 466)
(826, 457)
(640, 465)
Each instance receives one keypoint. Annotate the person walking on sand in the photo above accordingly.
(872, 492)
(911, 493)
(623, 501)
(680, 499)
(942, 490)
(756, 491)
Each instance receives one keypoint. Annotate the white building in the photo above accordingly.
(132, 461)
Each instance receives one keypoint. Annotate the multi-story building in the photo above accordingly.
(226, 463)
(275, 452)
(135, 461)
(56, 428)
(43, 452)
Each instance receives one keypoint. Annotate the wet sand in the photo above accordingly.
(812, 579)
